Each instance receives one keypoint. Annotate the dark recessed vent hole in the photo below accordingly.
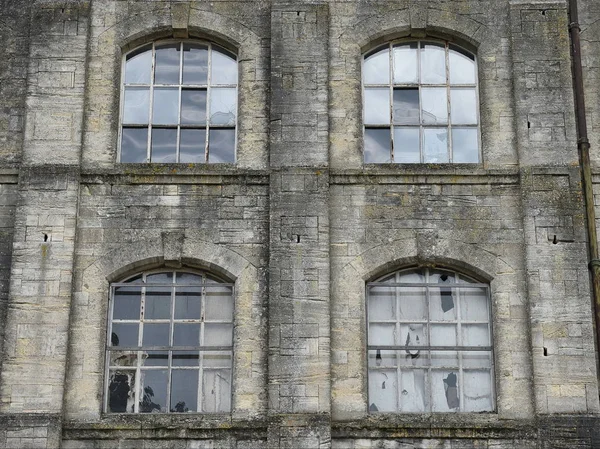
(528, 124)
(298, 238)
(545, 352)
(543, 12)
(45, 237)
(554, 240)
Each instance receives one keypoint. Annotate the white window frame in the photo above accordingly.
(206, 281)
(418, 85)
(208, 87)
(403, 351)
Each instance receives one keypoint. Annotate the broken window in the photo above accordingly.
(169, 344)
(179, 104)
(429, 343)
(420, 104)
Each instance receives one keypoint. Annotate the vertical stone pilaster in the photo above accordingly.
(299, 317)
(37, 324)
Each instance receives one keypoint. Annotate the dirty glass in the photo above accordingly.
(376, 68)
(435, 145)
(462, 66)
(465, 147)
(224, 68)
(165, 106)
(406, 145)
(429, 343)
(223, 107)
(138, 66)
(463, 106)
(377, 106)
(136, 106)
(435, 105)
(405, 63)
(216, 390)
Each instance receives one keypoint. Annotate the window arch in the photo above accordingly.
(429, 343)
(179, 103)
(420, 104)
(169, 344)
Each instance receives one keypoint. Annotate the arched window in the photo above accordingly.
(169, 344)
(429, 343)
(179, 103)
(420, 104)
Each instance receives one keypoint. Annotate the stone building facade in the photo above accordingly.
(298, 224)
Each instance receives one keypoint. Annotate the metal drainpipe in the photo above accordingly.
(583, 145)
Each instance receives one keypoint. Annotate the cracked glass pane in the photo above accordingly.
(184, 391)
(405, 63)
(377, 106)
(412, 390)
(195, 64)
(223, 106)
(383, 390)
(382, 303)
(376, 68)
(377, 146)
(475, 335)
(443, 334)
(218, 334)
(127, 303)
(124, 334)
(121, 391)
(216, 390)
(382, 334)
(187, 302)
(477, 391)
(154, 391)
(435, 145)
(219, 304)
(473, 304)
(434, 102)
(167, 64)
(156, 334)
(138, 66)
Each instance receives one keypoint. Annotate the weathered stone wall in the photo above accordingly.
(299, 224)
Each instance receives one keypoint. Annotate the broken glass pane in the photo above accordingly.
(185, 358)
(382, 303)
(221, 146)
(219, 304)
(136, 105)
(155, 358)
(154, 391)
(382, 358)
(443, 334)
(192, 144)
(435, 145)
(124, 334)
(218, 334)
(433, 64)
(187, 302)
(164, 145)
(461, 65)
(413, 334)
(134, 144)
(167, 64)
(442, 302)
(193, 107)
(224, 68)
(406, 145)
(186, 334)
(127, 303)
(465, 147)
(195, 64)
(412, 303)
(184, 391)
(473, 304)
(121, 391)
(412, 393)
(158, 303)
(434, 101)
(223, 106)
(165, 108)
(444, 391)
(382, 334)
(475, 335)
(216, 390)
(377, 106)
(463, 106)
(138, 66)
(477, 391)
(406, 106)
(405, 63)
(123, 358)
(156, 334)
(383, 390)
(377, 146)
(376, 68)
